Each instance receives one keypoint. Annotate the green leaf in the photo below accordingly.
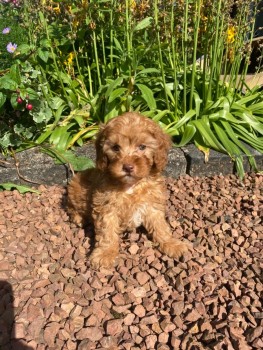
(113, 112)
(234, 138)
(188, 134)
(60, 136)
(44, 114)
(253, 122)
(73, 97)
(245, 100)
(157, 117)
(43, 55)
(248, 137)
(116, 93)
(256, 108)
(117, 45)
(8, 83)
(147, 95)
(90, 131)
(79, 163)
(147, 71)
(178, 124)
(45, 43)
(90, 134)
(231, 148)
(32, 94)
(15, 74)
(63, 141)
(42, 17)
(58, 113)
(169, 93)
(20, 188)
(230, 118)
(24, 48)
(208, 135)
(113, 85)
(234, 151)
(56, 102)
(198, 102)
(143, 24)
(2, 99)
(43, 136)
(240, 167)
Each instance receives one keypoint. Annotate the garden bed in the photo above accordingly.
(52, 299)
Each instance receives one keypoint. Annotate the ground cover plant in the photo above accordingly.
(84, 62)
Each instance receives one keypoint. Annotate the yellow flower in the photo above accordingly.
(70, 59)
(56, 9)
(133, 4)
(143, 7)
(75, 23)
(84, 4)
(231, 33)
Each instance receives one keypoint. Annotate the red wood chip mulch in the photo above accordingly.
(51, 299)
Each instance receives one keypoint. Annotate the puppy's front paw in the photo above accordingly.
(103, 258)
(174, 248)
(76, 218)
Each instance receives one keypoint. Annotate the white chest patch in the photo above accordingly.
(137, 215)
(130, 190)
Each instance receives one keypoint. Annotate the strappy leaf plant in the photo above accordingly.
(182, 63)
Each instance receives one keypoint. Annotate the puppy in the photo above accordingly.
(126, 188)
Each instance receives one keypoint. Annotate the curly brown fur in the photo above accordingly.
(125, 190)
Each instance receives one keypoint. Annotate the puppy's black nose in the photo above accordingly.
(128, 168)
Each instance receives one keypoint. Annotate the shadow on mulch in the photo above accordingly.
(8, 332)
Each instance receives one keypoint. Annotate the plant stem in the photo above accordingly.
(220, 54)
(75, 54)
(28, 21)
(111, 36)
(249, 43)
(214, 56)
(94, 38)
(174, 61)
(160, 52)
(103, 47)
(128, 33)
(184, 52)
(53, 55)
(196, 32)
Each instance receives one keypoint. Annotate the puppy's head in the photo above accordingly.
(131, 147)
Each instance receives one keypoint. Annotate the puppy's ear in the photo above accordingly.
(101, 158)
(161, 155)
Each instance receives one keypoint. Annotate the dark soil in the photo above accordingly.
(51, 299)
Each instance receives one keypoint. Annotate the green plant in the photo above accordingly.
(20, 188)
(176, 62)
(11, 31)
(24, 111)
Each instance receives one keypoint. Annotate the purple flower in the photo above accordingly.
(6, 30)
(11, 47)
(16, 2)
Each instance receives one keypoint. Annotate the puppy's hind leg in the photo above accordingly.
(160, 231)
(107, 242)
(79, 198)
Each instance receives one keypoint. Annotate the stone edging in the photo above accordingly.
(38, 167)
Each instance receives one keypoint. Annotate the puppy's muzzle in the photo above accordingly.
(128, 168)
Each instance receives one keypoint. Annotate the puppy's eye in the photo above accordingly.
(116, 148)
(142, 147)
